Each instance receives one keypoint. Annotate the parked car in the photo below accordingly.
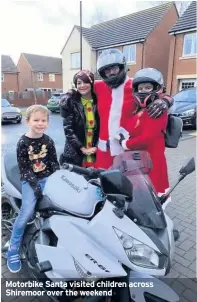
(10, 113)
(54, 102)
(185, 106)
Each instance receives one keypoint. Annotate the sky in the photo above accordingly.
(43, 26)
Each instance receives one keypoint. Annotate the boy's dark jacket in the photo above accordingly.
(74, 123)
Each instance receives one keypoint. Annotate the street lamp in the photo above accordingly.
(80, 35)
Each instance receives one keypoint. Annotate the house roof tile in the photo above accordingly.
(125, 29)
(187, 20)
(44, 64)
(7, 64)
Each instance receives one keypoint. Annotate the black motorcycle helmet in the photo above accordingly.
(147, 75)
(110, 58)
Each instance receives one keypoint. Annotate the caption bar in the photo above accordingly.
(37, 289)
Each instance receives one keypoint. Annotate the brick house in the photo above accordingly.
(9, 75)
(142, 36)
(183, 49)
(39, 72)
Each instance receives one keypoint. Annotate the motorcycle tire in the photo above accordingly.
(8, 215)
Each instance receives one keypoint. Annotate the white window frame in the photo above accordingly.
(51, 77)
(129, 47)
(75, 60)
(2, 77)
(194, 38)
(40, 77)
(182, 81)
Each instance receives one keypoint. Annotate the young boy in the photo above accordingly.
(37, 159)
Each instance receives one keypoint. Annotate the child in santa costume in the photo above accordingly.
(116, 104)
(146, 133)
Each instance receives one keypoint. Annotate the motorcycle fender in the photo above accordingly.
(139, 284)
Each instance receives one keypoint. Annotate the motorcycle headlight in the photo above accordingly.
(188, 112)
(137, 252)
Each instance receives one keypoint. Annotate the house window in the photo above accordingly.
(40, 77)
(75, 60)
(188, 83)
(189, 45)
(51, 77)
(2, 77)
(130, 53)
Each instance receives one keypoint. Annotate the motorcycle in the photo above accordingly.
(95, 224)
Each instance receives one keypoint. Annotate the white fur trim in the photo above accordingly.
(115, 117)
(124, 144)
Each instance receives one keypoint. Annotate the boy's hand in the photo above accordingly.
(157, 108)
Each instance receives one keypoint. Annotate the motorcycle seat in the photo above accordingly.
(12, 170)
(46, 204)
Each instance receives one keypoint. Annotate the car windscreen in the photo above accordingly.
(5, 103)
(187, 96)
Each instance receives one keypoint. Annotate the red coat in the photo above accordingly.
(146, 134)
(115, 107)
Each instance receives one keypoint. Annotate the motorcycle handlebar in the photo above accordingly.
(91, 172)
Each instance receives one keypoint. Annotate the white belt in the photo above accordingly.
(115, 148)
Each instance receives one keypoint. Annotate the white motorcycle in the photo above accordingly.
(98, 225)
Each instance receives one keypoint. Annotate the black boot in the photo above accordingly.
(176, 234)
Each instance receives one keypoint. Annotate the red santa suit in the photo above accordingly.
(147, 134)
(115, 107)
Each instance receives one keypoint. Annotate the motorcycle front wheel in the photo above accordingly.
(8, 216)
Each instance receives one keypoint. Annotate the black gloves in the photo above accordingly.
(157, 108)
(122, 138)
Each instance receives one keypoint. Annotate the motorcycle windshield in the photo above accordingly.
(145, 208)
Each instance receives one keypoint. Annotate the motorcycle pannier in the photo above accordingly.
(173, 131)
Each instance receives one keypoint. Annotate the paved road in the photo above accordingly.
(11, 133)
(182, 210)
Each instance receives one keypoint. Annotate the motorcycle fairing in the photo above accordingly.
(76, 246)
(159, 288)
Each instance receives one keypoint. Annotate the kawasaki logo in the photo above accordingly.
(71, 184)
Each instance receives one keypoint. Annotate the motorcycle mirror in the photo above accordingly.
(188, 167)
